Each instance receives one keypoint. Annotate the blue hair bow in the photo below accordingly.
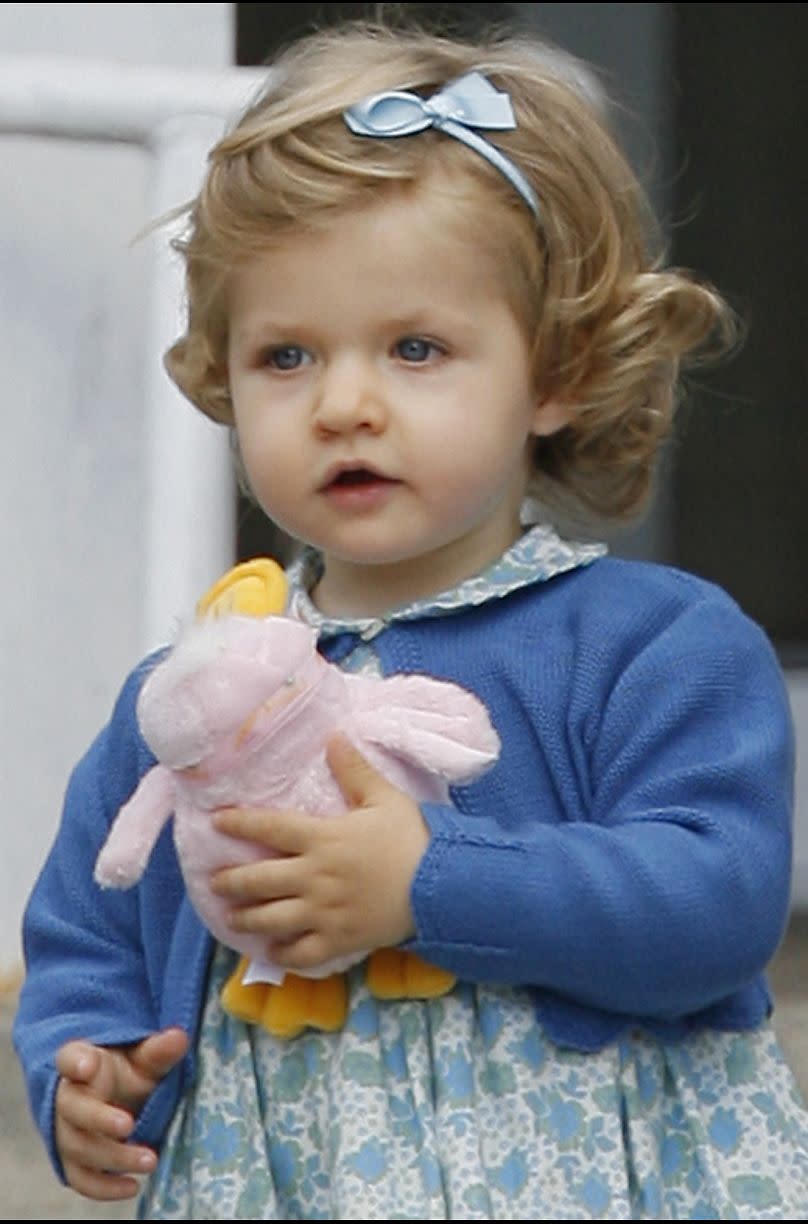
(468, 102)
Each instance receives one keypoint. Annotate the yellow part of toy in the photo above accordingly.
(251, 588)
(393, 974)
(288, 1009)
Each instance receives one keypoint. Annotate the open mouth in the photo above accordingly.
(357, 478)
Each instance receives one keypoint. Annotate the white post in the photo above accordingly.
(175, 115)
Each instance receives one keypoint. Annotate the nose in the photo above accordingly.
(349, 397)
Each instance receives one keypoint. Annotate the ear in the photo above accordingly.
(550, 416)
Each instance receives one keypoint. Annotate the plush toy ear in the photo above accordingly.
(435, 725)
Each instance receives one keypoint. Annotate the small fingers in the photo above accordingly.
(279, 920)
(78, 1061)
(283, 832)
(93, 1151)
(103, 1187)
(80, 1109)
(266, 880)
(354, 774)
(158, 1053)
(309, 950)
(96, 1164)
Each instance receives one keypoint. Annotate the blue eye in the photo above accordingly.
(285, 357)
(415, 349)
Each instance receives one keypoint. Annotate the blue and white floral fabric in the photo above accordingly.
(460, 1108)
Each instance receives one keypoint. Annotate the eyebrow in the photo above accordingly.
(254, 332)
(424, 319)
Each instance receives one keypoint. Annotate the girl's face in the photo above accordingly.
(384, 403)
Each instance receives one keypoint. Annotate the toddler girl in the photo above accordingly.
(421, 294)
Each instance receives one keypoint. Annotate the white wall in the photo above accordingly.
(73, 311)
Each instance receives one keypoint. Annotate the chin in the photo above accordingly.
(370, 552)
(369, 558)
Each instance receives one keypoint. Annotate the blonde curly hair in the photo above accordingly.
(608, 325)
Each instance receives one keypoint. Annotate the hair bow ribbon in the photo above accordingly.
(468, 102)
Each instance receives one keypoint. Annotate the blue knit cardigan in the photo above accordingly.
(628, 859)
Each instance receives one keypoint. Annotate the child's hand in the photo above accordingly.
(342, 884)
(98, 1097)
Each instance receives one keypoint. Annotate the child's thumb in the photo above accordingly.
(356, 777)
(158, 1053)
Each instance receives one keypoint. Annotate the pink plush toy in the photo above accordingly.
(239, 714)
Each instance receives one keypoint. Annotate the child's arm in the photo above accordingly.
(89, 974)
(98, 1097)
(653, 878)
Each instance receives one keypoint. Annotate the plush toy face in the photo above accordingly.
(216, 677)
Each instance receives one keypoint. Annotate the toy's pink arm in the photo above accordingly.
(134, 831)
(434, 724)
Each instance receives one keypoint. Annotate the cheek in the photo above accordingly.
(490, 466)
(262, 454)
(257, 425)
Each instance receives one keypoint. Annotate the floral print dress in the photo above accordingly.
(460, 1108)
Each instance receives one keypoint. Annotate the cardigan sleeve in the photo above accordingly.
(85, 969)
(673, 890)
